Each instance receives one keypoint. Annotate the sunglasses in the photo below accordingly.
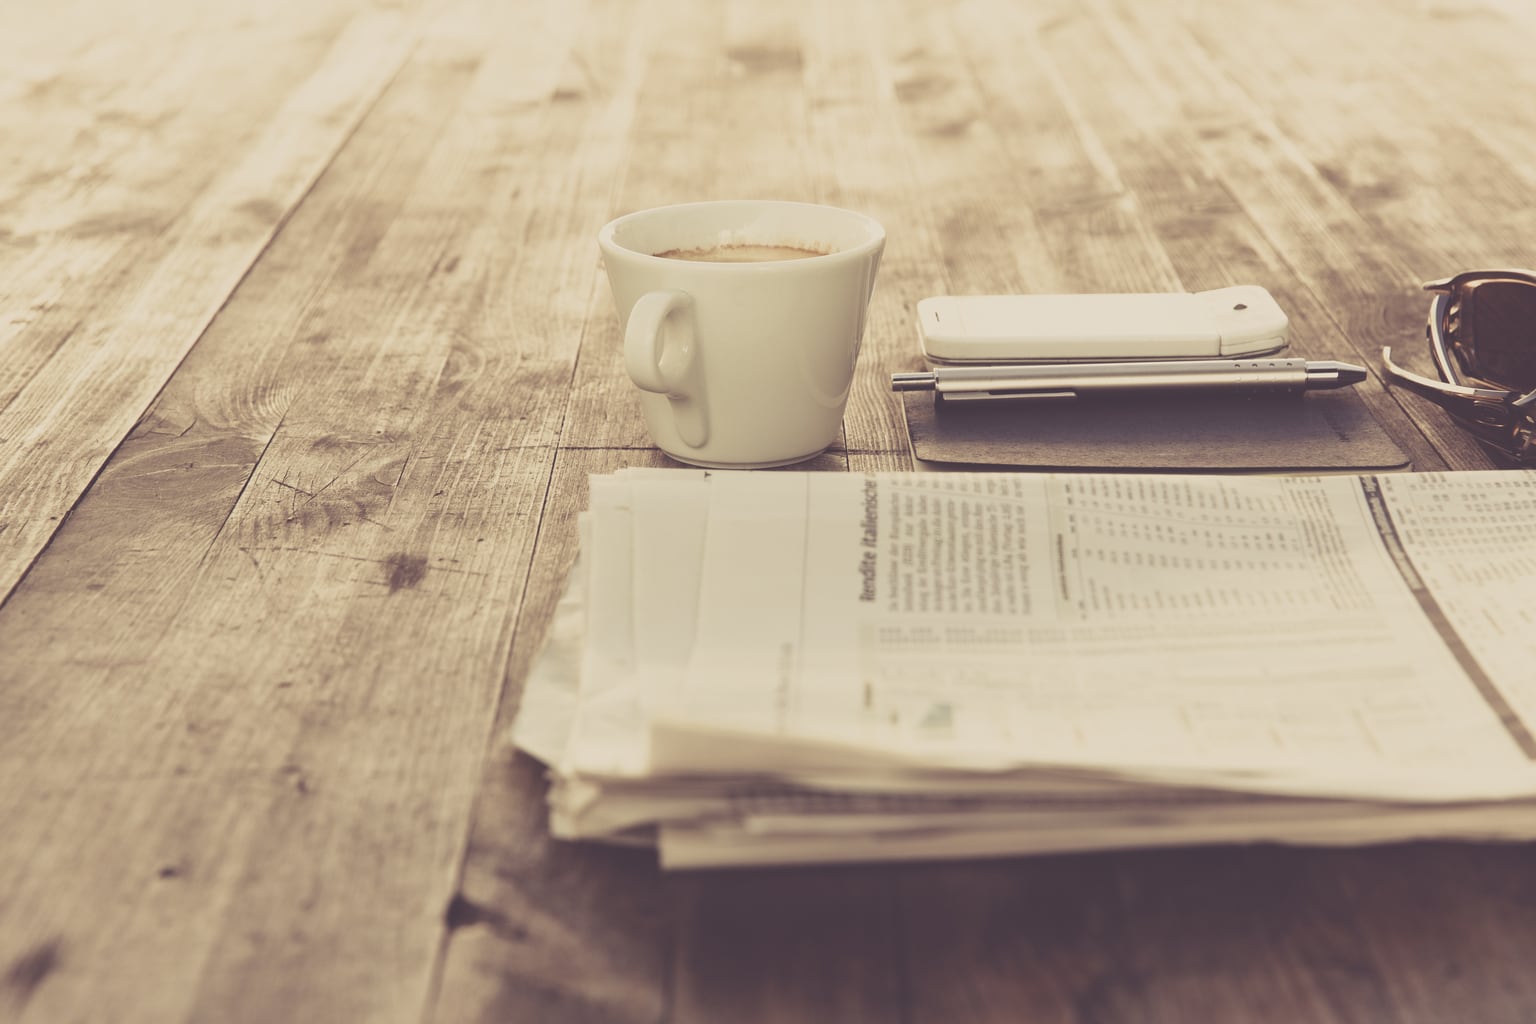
(1482, 335)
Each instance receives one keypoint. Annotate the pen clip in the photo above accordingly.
(947, 397)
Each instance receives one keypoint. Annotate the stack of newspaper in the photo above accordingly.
(754, 668)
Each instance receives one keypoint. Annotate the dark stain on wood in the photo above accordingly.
(764, 59)
(922, 87)
(952, 128)
(140, 223)
(404, 570)
(29, 970)
(297, 778)
(263, 211)
(462, 912)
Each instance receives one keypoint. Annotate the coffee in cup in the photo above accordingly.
(741, 252)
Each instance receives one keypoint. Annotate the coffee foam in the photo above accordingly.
(752, 239)
(744, 252)
(763, 231)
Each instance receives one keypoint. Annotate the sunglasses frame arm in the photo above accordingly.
(1491, 417)
(1450, 284)
(1472, 403)
(1492, 406)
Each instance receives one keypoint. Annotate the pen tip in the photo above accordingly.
(1334, 374)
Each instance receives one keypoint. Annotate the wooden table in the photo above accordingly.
(305, 356)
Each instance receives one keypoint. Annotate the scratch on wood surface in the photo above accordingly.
(341, 473)
(324, 442)
(292, 487)
(310, 497)
(387, 562)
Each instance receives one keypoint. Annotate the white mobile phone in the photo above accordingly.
(1243, 320)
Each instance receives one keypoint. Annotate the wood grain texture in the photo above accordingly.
(123, 237)
(306, 354)
(344, 502)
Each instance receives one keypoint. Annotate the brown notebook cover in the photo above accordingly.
(1321, 431)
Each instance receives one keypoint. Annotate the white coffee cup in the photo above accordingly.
(742, 364)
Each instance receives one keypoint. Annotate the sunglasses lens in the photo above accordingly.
(1498, 334)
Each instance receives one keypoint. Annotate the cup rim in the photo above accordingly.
(875, 240)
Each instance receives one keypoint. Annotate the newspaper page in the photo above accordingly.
(1312, 630)
(1470, 550)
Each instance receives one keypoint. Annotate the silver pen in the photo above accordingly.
(1071, 380)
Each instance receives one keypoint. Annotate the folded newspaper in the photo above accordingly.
(764, 668)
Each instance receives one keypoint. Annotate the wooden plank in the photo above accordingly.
(110, 581)
(1452, 196)
(788, 946)
(854, 123)
(153, 229)
(1367, 286)
(538, 929)
(1148, 936)
(1079, 220)
(976, 198)
(1149, 130)
(120, 572)
(1260, 934)
(285, 697)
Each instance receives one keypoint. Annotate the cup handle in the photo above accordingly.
(662, 356)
